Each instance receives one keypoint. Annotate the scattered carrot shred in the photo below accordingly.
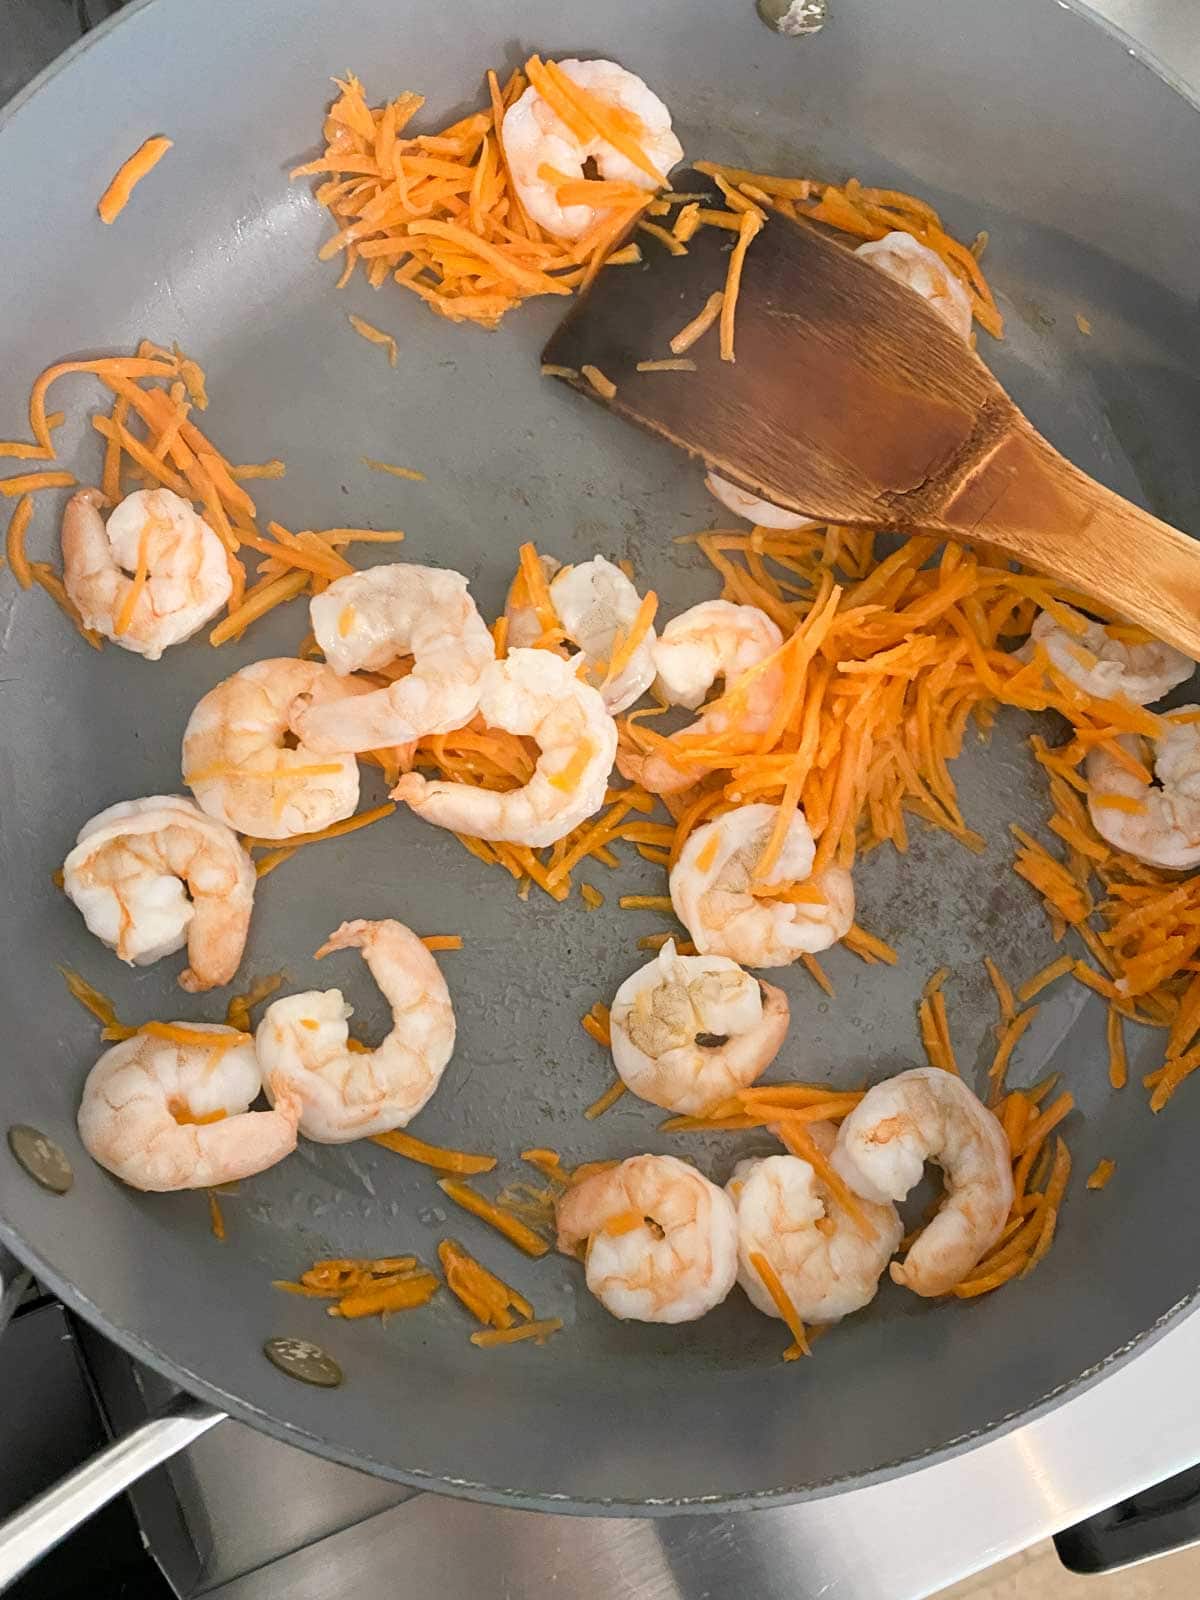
(433, 1155)
(375, 335)
(394, 472)
(216, 1216)
(539, 1332)
(606, 1101)
(18, 525)
(774, 1287)
(513, 1229)
(116, 197)
(1101, 1173)
(32, 482)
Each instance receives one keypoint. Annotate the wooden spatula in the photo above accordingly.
(851, 401)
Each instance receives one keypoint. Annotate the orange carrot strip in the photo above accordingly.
(432, 1155)
(503, 1221)
(116, 197)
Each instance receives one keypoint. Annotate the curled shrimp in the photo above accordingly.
(716, 899)
(184, 575)
(820, 1255)
(1163, 828)
(660, 1239)
(537, 694)
(345, 1094)
(911, 263)
(364, 621)
(162, 1113)
(761, 512)
(916, 266)
(151, 875)
(882, 1147)
(716, 639)
(595, 604)
(1087, 653)
(244, 759)
(689, 1031)
(542, 151)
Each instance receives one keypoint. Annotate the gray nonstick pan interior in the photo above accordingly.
(1025, 119)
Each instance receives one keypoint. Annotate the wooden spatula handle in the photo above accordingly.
(1025, 497)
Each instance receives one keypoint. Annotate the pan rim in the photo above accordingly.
(142, 1350)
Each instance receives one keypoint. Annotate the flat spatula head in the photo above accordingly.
(849, 399)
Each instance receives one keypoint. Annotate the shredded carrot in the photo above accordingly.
(216, 1216)
(275, 593)
(432, 1155)
(375, 336)
(32, 482)
(1004, 994)
(606, 1101)
(488, 1298)
(373, 1302)
(695, 330)
(488, 1338)
(116, 197)
(18, 524)
(97, 1003)
(237, 1012)
(175, 1033)
(1118, 1069)
(511, 1227)
(751, 224)
(602, 385)
(673, 364)
(335, 830)
(1101, 1173)
(395, 472)
(783, 1303)
(49, 580)
(1043, 979)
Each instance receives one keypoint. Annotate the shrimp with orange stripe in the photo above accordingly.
(828, 1264)
(546, 154)
(658, 1240)
(149, 875)
(169, 1108)
(367, 620)
(245, 759)
(537, 695)
(304, 1045)
(727, 912)
(150, 576)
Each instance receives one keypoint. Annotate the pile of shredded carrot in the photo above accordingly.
(440, 215)
(366, 1288)
(152, 439)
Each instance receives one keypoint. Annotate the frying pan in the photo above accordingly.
(1026, 119)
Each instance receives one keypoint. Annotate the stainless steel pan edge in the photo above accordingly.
(138, 1346)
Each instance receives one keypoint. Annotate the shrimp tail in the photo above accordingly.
(354, 935)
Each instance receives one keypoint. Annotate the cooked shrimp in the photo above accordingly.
(364, 621)
(1101, 665)
(881, 1151)
(345, 1094)
(597, 604)
(151, 875)
(826, 1265)
(150, 576)
(761, 512)
(1165, 831)
(534, 693)
(715, 639)
(660, 1240)
(713, 893)
(913, 264)
(542, 152)
(524, 624)
(243, 758)
(689, 1031)
(162, 1114)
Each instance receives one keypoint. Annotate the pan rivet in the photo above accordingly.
(42, 1159)
(793, 18)
(302, 1359)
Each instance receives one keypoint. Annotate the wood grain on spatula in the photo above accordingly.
(851, 401)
